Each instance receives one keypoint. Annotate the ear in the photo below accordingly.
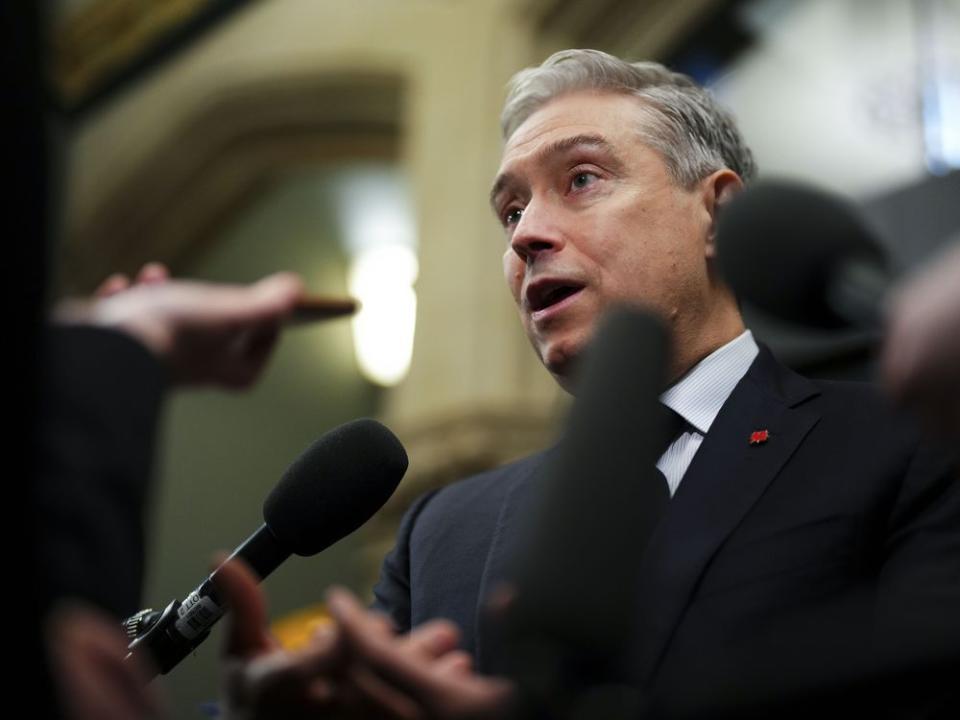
(718, 189)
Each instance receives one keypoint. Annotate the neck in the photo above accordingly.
(691, 345)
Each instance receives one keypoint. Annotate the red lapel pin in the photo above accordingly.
(758, 437)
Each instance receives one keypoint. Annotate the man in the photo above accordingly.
(604, 200)
(787, 494)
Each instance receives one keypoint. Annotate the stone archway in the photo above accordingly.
(219, 158)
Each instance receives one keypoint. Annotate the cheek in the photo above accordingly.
(513, 274)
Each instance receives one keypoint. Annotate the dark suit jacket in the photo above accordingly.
(101, 397)
(841, 497)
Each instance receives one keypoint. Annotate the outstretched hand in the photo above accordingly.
(203, 332)
(357, 668)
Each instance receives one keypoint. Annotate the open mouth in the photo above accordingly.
(544, 295)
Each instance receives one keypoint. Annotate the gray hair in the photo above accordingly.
(683, 122)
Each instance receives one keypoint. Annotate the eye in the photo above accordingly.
(512, 216)
(582, 180)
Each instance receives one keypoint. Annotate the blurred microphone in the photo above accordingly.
(333, 488)
(803, 255)
(571, 621)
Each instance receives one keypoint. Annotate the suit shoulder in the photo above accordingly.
(852, 389)
(484, 490)
(863, 403)
(864, 417)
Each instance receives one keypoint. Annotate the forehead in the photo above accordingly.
(613, 116)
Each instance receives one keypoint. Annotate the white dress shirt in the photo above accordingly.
(698, 396)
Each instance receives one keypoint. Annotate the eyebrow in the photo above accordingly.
(555, 148)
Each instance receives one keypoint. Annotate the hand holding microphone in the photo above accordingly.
(334, 487)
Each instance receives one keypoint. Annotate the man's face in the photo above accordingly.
(592, 218)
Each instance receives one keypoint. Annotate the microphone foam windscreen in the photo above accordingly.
(596, 507)
(780, 244)
(335, 486)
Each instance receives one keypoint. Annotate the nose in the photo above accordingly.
(536, 233)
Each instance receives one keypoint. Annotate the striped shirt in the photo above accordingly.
(698, 396)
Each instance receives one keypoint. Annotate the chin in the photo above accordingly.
(561, 362)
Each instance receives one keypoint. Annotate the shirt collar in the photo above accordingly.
(698, 396)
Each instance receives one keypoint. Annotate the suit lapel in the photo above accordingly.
(726, 478)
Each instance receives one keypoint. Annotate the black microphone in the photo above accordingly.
(572, 620)
(803, 255)
(333, 488)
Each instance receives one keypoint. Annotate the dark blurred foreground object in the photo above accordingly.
(909, 227)
(792, 252)
(568, 632)
(811, 258)
(803, 255)
(27, 218)
(30, 218)
(921, 356)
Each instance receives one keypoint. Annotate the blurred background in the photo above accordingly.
(354, 143)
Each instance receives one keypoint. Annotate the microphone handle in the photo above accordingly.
(182, 626)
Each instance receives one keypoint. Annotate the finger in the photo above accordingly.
(96, 681)
(369, 621)
(247, 633)
(432, 639)
(269, 687)
(455, 663)
(443, 696)
(112, 285)
(323, 655)
(89, 695)
(381, 624)
(500, 601)
(249, 354)
(287, 684)
(237, 307)
(368, 695)
(276, 294)
(322, 691)
(153, 273)
(381, 654)
(900, 352)
(280, 283)
(281, 672)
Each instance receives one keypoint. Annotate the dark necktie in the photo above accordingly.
(671, 424)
